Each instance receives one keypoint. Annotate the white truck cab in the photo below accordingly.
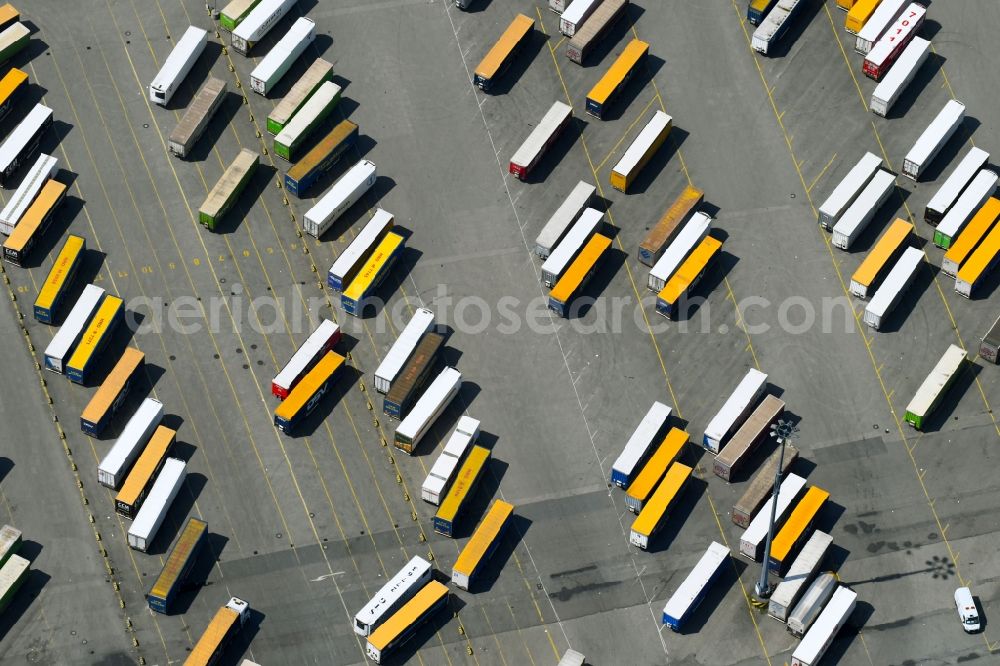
(967, 613)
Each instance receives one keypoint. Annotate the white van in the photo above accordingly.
(967, 613)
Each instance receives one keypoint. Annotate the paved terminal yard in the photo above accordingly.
(307, 528)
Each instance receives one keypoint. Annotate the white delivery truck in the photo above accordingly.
(342, 195)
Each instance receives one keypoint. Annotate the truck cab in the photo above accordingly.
(968, 615)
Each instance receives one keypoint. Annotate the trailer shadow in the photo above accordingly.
(506, 80)
(34, 48)
(621, 28)
(728, 577)
(20, 605)
(639, 81)
(476, 6)
(951, 149)
(678, 515)
(240, 211)
(987, 286)
(555, 154)
(908, 300)
(613, 260)
(658, 161)
(177, 514)
(829, 516)
(224, 115)
(512, 536)
(197, 579)
(945, 410)
(835, 558)
(6, 465)
(927, 73)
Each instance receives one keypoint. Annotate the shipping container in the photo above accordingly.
(969, 238)
(578, 274)
(20, 145)
(321, 158)
(431, 599)
(639, 445)
(60, 279)
(427, 409)
(442, 473)
(602, 95)
(858, 14)
(817, 640)
(788, 591)
(228, 188)
(224, 626)
(881, 258)
(13, 39)
(258, 23)
(112, 470)
(195, 120)
(499, 58)
(282, 56)
(39, 174)
(892, 86)
(757, 10)
(641, 150)
(933, 138)
(12, 87)
(796, 530)
(811, 604)
(975, 195)
(291, 139)
(935, 386)
(461, 491)
(567, 213)
(576, 15)
(752, 540)
(320, 341)
(95, 338)
(352, 260)
(319, 72)
(140, 480)
(234, 13)
(856, 218)
(63, 342)
(679, 212)
(540, 140)
(689, 237)
(666, 454)
(893, 287)
(989, 348)
(339, 198)
(590, 222)
(885, 52)
(755, 430)
(147, 522)
(952, 188)
(979, 265)
(481, 544)
(848, 189)
(760, 488)
(596, 29)
(35, 222)
(679, 287)
(12, 576)
(735, 410)
(112, 393)
(654, 514)
(401, 350)
(178, 566)
(411, 378)
(686, 599)
(399, 589)
(355, 297)
(177, 65)
(304, 398)
(884, 15)
(774, 27)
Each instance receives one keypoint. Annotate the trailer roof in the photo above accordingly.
(899, 74)
(43, 169)
(149, 411)
(694, 230)
(577, 10)
(318, 71)
(256, 19)
(870, 199)
(203, 104)
(192, 40)
(305, 353)
(403, 347)
(643, 437)
(816, 640)
(946, 195)
(896, 280)
(878, 22)
(585, 226)
(846, 190)
(789, 489)
(904, 25)
(895, 235)
(944, 123)
(551, 121)
(158, 501)
(350, 181)
(302, 30)
(682, 599)
(326, 95)
(577, 200)
(658, 123)
(466, 431)
(981, 188)
(15, 142)
(77, 318)
(441, 391)
(744, 393)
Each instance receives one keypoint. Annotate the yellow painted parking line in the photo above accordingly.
(628, 130)
(740, 323)
(840, 45)
(820, 174)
